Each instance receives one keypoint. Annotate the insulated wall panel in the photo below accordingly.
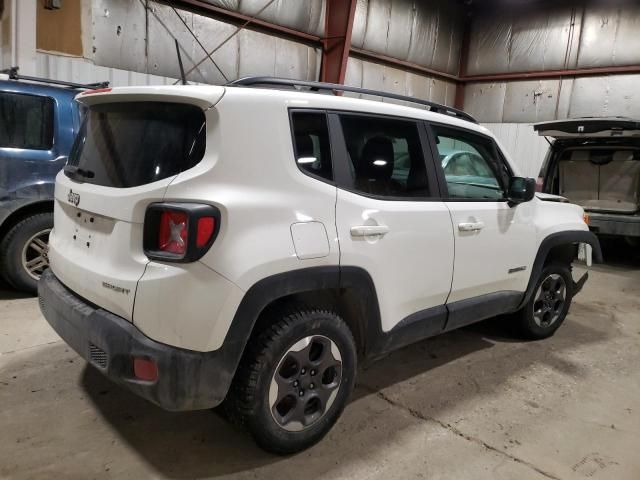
(129, 38)
(563, 36)
(361, 73)
(524, 146)
(425, 33)
(80, 70)
(540, 100)
(303, 15)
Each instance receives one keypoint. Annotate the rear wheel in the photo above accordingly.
(549, 304)
(294, 381)
(23, 252)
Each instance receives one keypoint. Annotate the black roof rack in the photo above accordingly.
(13, 75)
(317, 86)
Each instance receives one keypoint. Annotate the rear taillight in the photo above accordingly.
(179, 232)
(539, 184)
(172, 232)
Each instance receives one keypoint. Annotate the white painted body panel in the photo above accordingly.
(412, 264)
(276, 219)
(483, 257)
(107, 250)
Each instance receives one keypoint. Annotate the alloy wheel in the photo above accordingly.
(549, 300)
(305, 383)
(35, 258)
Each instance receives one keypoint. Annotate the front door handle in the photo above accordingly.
(369, 230)
(470, 226)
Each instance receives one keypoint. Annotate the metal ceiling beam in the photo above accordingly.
(395, 62)
(462, 66)
(336, 45)
(575, 72)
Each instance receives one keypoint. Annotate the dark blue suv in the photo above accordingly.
(38, 124)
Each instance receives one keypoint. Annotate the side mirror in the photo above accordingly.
(521, 190)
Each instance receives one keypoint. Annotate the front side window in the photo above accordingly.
(311, 144)
(26, 121)
(471, 165)
(385, 156)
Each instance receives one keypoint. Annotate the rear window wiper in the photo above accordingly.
(74, 172)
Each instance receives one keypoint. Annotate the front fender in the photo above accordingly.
(568, 237)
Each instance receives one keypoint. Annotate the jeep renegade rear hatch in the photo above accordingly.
(133, 142)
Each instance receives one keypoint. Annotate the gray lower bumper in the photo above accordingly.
(187, 380)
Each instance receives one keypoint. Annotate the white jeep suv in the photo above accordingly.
(252, 245)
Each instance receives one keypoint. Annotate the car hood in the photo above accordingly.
(548, 197)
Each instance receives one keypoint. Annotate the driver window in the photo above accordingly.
(471, 165)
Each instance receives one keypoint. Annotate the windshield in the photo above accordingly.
(134, 143)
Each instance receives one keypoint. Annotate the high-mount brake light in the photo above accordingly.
(179, 232)
(97, 90)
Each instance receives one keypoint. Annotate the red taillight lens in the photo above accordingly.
(539, 184)
(172, 232)
(206, 227)
(144, 369)
(179, 232)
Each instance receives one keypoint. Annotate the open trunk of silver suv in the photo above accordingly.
(595, 163)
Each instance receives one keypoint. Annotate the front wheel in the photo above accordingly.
(549, 304)
(295, 380)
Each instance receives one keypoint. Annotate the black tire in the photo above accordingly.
(12, 247)
(531, 318)
(248, 401)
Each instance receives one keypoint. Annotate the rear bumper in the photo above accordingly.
(187, 380)
(613, 224)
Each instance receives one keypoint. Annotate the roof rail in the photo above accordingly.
(13, 75)
(317, 86)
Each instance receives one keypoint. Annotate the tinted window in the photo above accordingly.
(472, 167)
(385, 156)
(134, 143)
(26, 121)
(311, 142)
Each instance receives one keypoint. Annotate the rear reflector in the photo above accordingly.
(145, 369)
(206, 227)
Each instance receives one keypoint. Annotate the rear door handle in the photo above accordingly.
(470, 226)
(369, 230)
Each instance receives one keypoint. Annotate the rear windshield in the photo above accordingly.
(133, 143)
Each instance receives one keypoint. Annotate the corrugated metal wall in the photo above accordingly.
(365, 74)
(127, 37)
(564, 36)
(425, 33)
(302, 15)
(58, 67)
(527, 148)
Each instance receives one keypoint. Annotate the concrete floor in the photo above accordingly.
(469, 404)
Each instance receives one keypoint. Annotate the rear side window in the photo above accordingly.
(26, 121)
(386, 157)
(134, 143)
(311, 144)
